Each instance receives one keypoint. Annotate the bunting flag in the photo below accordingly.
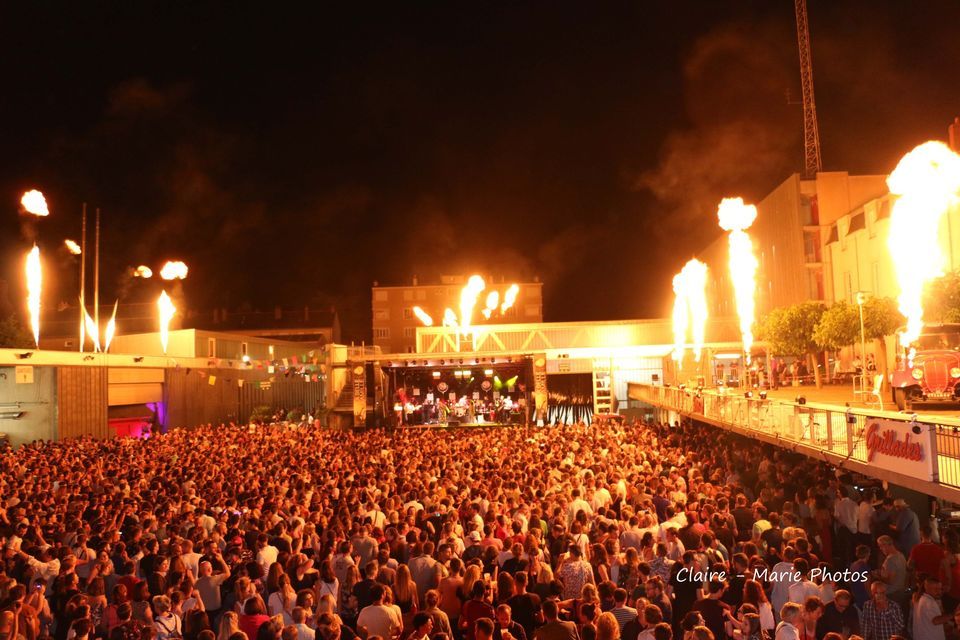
(212, 380)
(293, 359)
(285, 362)
(270, 369)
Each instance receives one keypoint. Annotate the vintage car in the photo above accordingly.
(929, 370)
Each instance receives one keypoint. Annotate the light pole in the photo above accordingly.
(861, 298)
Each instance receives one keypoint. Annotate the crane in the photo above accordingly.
(811, 133)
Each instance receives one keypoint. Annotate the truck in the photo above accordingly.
(928, 370)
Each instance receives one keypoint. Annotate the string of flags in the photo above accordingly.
(306, 366)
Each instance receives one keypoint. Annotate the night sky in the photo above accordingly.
(293, 156)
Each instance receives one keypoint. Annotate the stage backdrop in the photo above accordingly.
(570, 397)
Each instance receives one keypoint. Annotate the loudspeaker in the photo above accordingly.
(655, 377)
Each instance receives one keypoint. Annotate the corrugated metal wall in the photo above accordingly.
(82, 402)
(191, 399)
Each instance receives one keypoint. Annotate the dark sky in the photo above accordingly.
(294, 155)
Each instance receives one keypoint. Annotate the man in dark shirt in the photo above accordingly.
(363, 589)
(684, 586)
(506, 624)
(839, 616)
(555, 629)
(744, 518)
(714, 610)
(772, 538)
(525, 606)
(738, 577)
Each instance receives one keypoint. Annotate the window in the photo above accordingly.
(211, 347)
(243, 348)
(380, 295)
(408, 294)
(409, 332)
(380, 333)
(857, 223)
(408, 313)
(811, 246)
(834, 235)
(883, 209)
(381, 314)
(815, 284)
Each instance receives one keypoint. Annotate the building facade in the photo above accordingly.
(395, 323)
(791, 238)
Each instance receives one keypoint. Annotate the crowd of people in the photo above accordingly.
(585, 532)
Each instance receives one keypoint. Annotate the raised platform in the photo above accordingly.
(462, 425)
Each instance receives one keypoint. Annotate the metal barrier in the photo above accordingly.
(840, 431)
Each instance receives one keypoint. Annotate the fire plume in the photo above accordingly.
(111, 329)
(166, 309)
(34, 287)
(468, 300)
(72, 247)
(493, 301)
(92, 330)
(423, 316)
(33, 202)
(174, 270)
(736, 217)
(509, 297)
(450, 318)
(680, 317)
(926, 182)
(143, 271)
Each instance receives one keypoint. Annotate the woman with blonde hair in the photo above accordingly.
(228, 625)
(607, 627)
(283, 600)
(472, 574)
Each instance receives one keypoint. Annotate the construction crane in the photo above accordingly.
(811, 133)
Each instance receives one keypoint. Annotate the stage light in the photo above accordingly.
(476, 361)
(461, 360)
(801, 400)
(443, 362)
(389, 364)
(436, 374)
(488, 372)
(468, 374)
(246, 359)
(748, 394)
(763, 395)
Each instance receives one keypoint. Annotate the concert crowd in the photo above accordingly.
(583, 532)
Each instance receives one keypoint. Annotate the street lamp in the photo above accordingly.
(861, 298)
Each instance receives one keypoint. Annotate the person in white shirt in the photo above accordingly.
(928, 616)
(804, 588)
(191, 559)
(266, 553)
(789, 619)
(304, 632)
(379, 619)
(781, 579)
(576, 505)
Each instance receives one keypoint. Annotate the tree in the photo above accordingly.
(790, 332)
(14, 335)
(882, 318)
(941, 299)
(839, 327)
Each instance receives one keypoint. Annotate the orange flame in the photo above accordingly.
(450, 318)
(34, 202)
(92, 330)
(174, 270)
(468, 300)
(143, 271)
(72, 247)
(111, 329)
(166, 310)
(493, 301)
(510, 297)
(926, 182)
(736, 217)
(423, 316)
(34, 285)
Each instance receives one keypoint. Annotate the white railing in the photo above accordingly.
(847, 433)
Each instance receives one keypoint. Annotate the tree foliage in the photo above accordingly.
(14, 335)
(839, 326)
(941, 300)
(790, 331)
(881, 318)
